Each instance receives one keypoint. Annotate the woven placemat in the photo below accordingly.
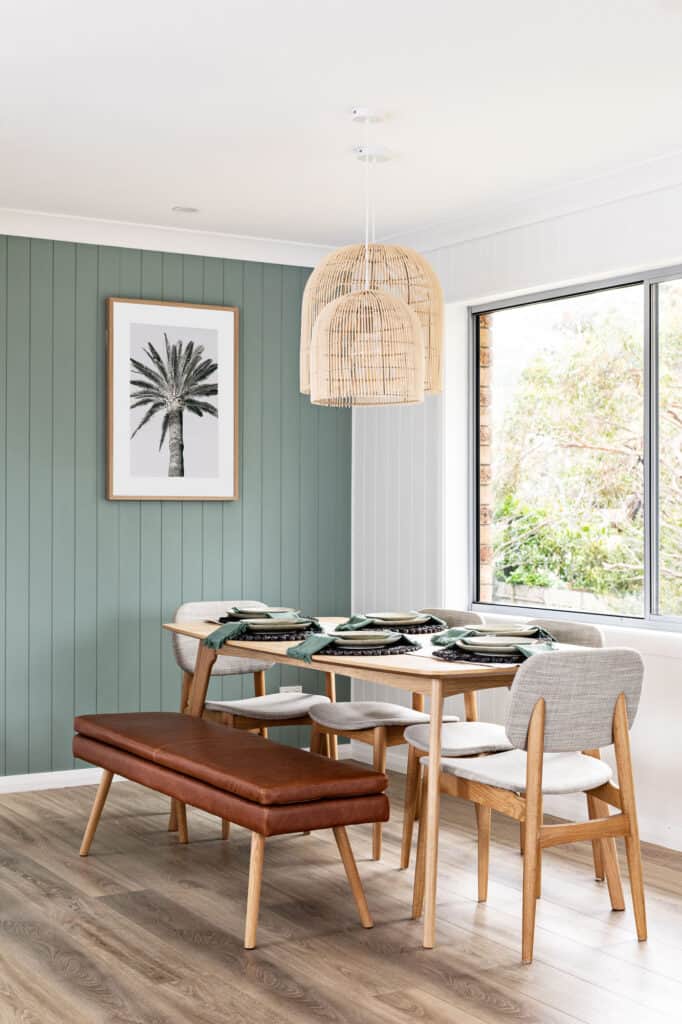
(365, 652)
(457, 654)
(299, 634)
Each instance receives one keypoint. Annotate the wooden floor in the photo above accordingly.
(148, 931)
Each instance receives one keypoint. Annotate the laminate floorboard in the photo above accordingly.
(146, 931)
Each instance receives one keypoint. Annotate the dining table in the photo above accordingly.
(418, 673)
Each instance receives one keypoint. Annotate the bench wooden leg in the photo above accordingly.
(343, 844)
(225, 828)
(96, 812)
(253, 898)
(181, 811)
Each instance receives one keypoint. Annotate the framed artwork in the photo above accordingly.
(173, 390)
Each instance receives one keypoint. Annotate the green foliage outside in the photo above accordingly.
(568, 460)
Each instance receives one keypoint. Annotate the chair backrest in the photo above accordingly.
(582, 634)
(453, 617)
(580, 689)
(185, 647)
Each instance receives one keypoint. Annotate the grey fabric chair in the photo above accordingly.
(263, 708)
(382, 725)
(562, 703)
(580, 634)
(253, 713)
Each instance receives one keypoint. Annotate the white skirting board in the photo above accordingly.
(52, 780)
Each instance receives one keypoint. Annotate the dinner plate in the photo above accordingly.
(520, 629)
(259, 613)
(276, 625)
(367, 639)
(399, 618)
(484, 648)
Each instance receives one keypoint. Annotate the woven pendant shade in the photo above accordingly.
(393, 269)
(367, 349)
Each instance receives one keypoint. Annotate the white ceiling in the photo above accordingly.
(120, 111)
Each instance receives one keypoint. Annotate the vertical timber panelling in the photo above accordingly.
(95, 578)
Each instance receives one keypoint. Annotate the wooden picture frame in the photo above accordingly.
(173, 401)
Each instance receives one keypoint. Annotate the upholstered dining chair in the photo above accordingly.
(473, 738)
(562, 703)
(255, 713)
(381, 724)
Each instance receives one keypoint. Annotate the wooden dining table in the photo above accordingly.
(419, 674)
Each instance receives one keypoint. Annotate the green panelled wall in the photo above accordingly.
(85, 582)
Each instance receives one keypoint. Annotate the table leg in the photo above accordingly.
(206, 657)
(432, 812)
(197, 686)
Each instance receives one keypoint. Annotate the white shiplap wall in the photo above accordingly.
(402, 502)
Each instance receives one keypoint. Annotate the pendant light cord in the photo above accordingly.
(367, 205)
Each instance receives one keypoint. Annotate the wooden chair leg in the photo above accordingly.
(379, 762)
(409, 813)
(263, 731)
(349, 864)
(181, 810)
(96, 812)
(536, 732)
(225, 828)
(626, 783)
(327, 745)
(597, 857)
(420, 866)
(255, 880)
(522, 837)
(604, 851)
(330, 687)
(316, 740)
(483, 823)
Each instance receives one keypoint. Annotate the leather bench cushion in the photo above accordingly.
(238, 762)
(269, 821)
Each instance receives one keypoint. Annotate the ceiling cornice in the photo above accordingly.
(650, 176)
(157, 238)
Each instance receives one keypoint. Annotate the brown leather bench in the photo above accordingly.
(263, 786)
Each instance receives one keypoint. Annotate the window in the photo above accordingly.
(579, 451)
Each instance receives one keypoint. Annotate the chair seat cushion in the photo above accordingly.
(272, 706)
(461, 738)
(562, 773)
(233, 760)
(366, 714)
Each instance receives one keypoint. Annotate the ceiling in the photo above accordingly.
(242, 108)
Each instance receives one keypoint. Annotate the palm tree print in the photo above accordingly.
(172, 386)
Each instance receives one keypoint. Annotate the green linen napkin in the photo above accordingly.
(314, 644)
(529, 649)
(228, 631)
(233, 630)
(449, 636)
(363, 621)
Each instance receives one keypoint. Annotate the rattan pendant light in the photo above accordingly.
(395, 269)
(367, 350)
(365, 319)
